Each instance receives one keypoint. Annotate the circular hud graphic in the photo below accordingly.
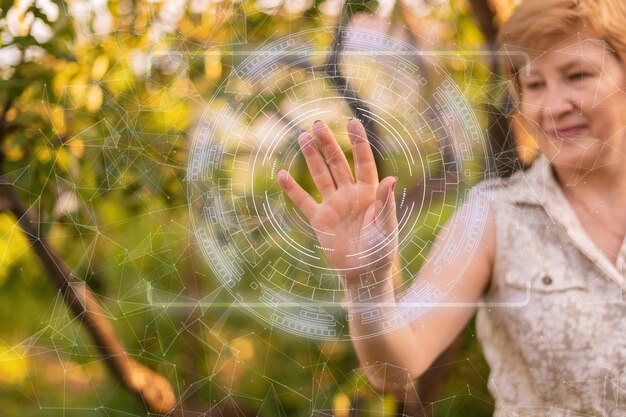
(258, 244)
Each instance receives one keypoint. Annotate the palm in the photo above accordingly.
(340, 224)
(355, 223)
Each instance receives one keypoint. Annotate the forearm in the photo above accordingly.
(388, 355)
(408, 334)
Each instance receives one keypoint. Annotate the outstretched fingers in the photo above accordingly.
(317, 166)
(335, 158)
(364, 163)
(305, 203)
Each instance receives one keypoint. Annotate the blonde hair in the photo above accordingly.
(537, 24)
(540, 25)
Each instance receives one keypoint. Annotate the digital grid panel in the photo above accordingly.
(261, 248)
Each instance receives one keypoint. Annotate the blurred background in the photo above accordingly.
(108, 307)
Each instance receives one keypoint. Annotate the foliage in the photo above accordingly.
(99, 103)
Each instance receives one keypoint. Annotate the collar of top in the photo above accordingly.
(539, 187)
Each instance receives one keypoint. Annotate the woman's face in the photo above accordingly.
(573, 99)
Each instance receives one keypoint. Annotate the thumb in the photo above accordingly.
(385, 213)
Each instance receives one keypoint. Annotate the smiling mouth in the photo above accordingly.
(568, 133)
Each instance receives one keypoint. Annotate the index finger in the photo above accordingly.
(364, 163)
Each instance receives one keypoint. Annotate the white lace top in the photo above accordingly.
(553, 327)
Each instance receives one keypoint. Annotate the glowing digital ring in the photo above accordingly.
(258, 246)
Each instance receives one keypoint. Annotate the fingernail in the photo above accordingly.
(303, 138)
(395, 182)
(317, 123)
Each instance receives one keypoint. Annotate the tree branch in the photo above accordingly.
(502, 142)
(485, 16)
(4, 128)
(340, 82)
(153, 389)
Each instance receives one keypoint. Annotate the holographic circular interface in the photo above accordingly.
(258, 244)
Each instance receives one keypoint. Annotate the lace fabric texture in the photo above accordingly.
(553, 327)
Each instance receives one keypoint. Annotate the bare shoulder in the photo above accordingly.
(463, 253)
(498, 190)
(459, 267)
(462, 257)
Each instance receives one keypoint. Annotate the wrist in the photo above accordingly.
(373, 286)
(361, 279)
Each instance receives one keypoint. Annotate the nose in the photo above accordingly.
(557, 102)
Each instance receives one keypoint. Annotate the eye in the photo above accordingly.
(579, 76)
(533, 85)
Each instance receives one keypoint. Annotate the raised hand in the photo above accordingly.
(356, 221)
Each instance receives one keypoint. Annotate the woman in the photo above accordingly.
(553, 241)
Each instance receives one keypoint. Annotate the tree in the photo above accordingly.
(98, 105)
